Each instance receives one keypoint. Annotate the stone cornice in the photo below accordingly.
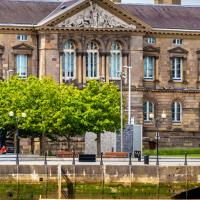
(163, 90)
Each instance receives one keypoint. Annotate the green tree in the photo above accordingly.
(102, 108)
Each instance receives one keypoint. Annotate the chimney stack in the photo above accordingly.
(171, 2)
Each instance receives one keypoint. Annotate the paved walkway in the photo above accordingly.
(37, 160)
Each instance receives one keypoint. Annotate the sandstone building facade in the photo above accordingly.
(78, 40)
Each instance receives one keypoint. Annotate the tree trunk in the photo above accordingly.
(32, 145)
(42, 144)
(98, 144)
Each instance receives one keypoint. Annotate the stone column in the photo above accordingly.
(84, 68)
(107, 75)
(136, 60)
(79, 68)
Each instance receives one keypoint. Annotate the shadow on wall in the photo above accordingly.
(190, 194)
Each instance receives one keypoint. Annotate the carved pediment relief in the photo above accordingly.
(178, 50)
(95, 17)
(22, 48)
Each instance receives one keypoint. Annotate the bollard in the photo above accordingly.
(73, 160)
(101, 162)
(130, 155)
(146, 159)
(139, 156)
(185, 163)
(45, 158)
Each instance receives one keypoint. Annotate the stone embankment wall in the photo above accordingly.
(99, 174)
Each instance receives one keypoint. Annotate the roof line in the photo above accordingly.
(46, 19)
(179, 30)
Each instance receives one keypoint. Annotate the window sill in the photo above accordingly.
(176, 123)
(178, 81)
(148, 80)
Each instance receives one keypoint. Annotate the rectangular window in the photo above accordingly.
(92, 64)
(151, 40)
(177, 68)
(178, 41)
(22, 37)
(149, 63)
(22, 65)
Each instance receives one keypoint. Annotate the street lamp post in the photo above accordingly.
(23, 115)
(157, 121)
(129, 93)
(122, 76)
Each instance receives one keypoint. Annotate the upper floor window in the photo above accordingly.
(68, 61)
(115, 60)
(148, 108)
(149, 62)
(177, 68)
(151, 40)
(22, 65)
(92, 60)
(176, 112)
(22, 37)
(178, 41)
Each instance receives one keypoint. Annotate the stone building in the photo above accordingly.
(79, 40)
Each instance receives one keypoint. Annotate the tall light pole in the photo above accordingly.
(129, 93)
(157, 121)
(23, 115)
(122, 76)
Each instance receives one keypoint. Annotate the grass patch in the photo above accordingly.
(194, 152)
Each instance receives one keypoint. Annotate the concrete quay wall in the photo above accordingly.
(98, 174)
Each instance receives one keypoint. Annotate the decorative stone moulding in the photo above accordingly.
(95, 17)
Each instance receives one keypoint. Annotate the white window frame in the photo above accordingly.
(148, 77)
(151, 40)
(175, 107)
(177, 41)
(90, 74)
(22, 37)
(68, 51)
(147, 110)
(174, 68)
(114, 53)
(19, 69)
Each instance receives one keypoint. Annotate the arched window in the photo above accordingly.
(148, 108)
(92, 60)
(176, 112)
(69, 61)
(115, 60)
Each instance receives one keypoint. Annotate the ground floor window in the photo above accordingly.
(148, 108)
(22, 65)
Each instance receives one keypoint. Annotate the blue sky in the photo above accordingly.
(184, 2)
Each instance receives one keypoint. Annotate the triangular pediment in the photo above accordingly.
(93, 14)
(178, 50)
(151, 48)
(23, 46)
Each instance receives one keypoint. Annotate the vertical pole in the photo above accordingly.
(130, 162)
(121, 112)
(101, 162)
(185, 163)
(17, 142)
(129, 96)
(157, 138)
(59, 181)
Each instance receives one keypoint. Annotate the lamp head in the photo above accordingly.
(163, 115)
(151, 116)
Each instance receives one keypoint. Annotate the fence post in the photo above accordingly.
(185, 163)
(130, 155)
